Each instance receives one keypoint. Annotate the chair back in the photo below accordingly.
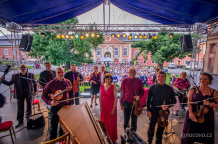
(65, 138)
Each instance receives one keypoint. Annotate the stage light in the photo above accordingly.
(140, 36)
(58, 36)
(67, 36)
(130, 37)
(92, 35)
(124, 35)
(76, 36)
(87, 34)
(118, 35)
(81, 36)
(171, 34)
(149, 36)
(113, 35)
(145, 36)
(97, 35)
(155, 36)
(72, 37)
(43, 34)
(62, 36)
(135, 36)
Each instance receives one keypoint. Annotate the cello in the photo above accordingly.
(76, 83)
(163, 117)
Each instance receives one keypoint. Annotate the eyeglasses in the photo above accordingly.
(60, 72)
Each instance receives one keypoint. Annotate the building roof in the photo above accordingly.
(5, 40)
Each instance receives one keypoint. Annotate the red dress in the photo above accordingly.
(107, 106)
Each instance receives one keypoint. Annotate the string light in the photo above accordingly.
(92, 35)
(76, 36)
(149, 36)
(118, 35)
(81, 36)
(62, 36)
(67, 36)
(43, 34)
(113, 35)
(130, 37)
(140, 36)
(145, 36)
(72, 37)
(171, 34)
(124, 35)
(87, 34)
(97, 35)
(135, 36)
(155, 36)
(58, 36)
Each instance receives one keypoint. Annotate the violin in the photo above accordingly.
(58, 95)
(200, 112)
(75, 86)
(163, 117)
(136, 103)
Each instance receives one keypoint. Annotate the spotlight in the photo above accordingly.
(155, 36)
(92, 35)
(149, 36)
(43, 34)
(145, 36)
(118, 35)
(97, 35)
(171, 34)
(135, 36)
(58, 36)
(140, 36)
(130, 37)
(72, 36)
(76, 36)
(67, 36)
(113, 35)
(124, 35)
(62, 36)
(87, 34)
(81, 36)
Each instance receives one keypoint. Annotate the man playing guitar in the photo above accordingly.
(59, 83)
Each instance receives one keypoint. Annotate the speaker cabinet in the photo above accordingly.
(26, 43)
(186, 43)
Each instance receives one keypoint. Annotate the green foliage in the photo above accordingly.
(7, 63)
(59, 51)
(184, 68)
(163, 49)
(1, 61)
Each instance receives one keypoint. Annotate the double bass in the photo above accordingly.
(76, 83)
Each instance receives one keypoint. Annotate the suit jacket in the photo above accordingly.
(44, 77)
(18, 92)
(69, 76)
(104, 74)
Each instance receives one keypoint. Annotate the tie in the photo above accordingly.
(73, 76)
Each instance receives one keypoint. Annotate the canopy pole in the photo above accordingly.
(104, 14)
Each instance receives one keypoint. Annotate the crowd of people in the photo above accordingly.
(161, 97)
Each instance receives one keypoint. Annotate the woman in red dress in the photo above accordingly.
(108, 106)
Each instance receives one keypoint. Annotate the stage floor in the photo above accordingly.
(8, 112)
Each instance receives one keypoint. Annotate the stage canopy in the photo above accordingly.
(160, 11)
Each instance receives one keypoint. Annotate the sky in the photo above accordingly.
(117, 16)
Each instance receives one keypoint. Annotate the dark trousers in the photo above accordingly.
(152, 124)
(127, 112)
(20, 107)
(76, 98)
(54, 122)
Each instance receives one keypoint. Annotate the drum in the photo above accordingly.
(177, 106)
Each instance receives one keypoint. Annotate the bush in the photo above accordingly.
(1, 61)
(7, 63)
(184, 68)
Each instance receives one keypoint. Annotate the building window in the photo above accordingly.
(178, 62)
(204, 50)
(144, 61)
(14, 52)
(185, 61)
(124, 51)
(212, 48)
(24, 53)
(136, 53)
(6, 51)
(116, 51)
(98, 52)
(153, 61)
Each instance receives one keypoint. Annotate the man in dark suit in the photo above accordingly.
(102, 73)
(47, 75)
(72, 76)
(24, 88)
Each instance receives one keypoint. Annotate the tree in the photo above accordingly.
(59, 51)
(163, 49)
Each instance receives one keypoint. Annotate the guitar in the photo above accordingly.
(5, 72)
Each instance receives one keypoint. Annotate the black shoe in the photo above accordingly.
(96, 104)
(19, 124)
(90, 106)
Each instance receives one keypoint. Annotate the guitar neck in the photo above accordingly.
(59, 93)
